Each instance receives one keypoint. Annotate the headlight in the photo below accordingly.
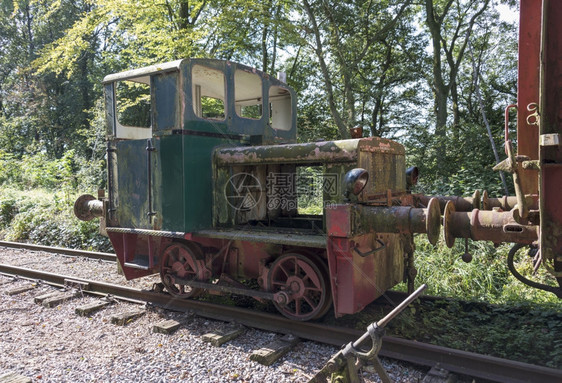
(411, 177)
(355, 181)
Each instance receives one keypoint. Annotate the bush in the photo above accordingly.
(47, 218)
(66, 174)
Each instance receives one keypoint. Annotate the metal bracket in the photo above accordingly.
(149, 150)
(534, 118)
(552, 139)
(367, 253)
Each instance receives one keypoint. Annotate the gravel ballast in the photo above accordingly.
(56, 345)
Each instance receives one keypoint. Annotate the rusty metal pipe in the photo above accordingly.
(401, 219)
(507, 203)
(461, 203)
(485, 225)
(87, 207)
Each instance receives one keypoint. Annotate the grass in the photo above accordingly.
(529, 333)
(486, 278)
(491, 312)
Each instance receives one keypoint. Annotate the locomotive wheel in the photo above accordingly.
(305, 283)
(179, 261)
(323, 266)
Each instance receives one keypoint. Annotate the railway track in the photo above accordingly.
(461, 362)
(61, 250)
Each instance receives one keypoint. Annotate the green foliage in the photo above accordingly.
(133, 104)
(213, 108)
(46, 218)
(314, 125)
(309, 184)
(369, 66)
(37, 171)
(525, 332)
(486, 278)
(8, 211)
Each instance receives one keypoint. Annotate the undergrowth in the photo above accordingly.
(526, 332)
(46, 218)
(492, 312)
(486, 278)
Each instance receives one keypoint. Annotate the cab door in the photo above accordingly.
(132, 153)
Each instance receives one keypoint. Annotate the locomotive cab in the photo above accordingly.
(162, 125)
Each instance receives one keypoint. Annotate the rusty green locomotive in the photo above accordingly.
(207, 186)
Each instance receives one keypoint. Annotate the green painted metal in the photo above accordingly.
(198, 174)
(132, 183)
(169, 183)
(166, 105)
(259, 130)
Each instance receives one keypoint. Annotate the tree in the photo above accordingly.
(39, 111)
(345, 36)
(451, 24)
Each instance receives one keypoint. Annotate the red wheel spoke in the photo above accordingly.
(282, 268)
(311, 288)
(179, 261)
(312, 304)
(305, 279)
(296, 266)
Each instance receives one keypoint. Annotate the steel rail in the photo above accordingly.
(461, 362)
(60, 250)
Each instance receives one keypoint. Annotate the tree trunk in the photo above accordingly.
(342, 128)
(184, 14)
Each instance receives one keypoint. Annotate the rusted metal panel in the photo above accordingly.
(528, 88)
(358, 280)
(551, 125)
(386, 163)
(133, 248)
(309, 153)
(339, 221)
(265, 236)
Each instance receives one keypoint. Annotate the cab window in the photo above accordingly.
(280, 108)
(248, 94)
(133, 108)
(208, 92)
